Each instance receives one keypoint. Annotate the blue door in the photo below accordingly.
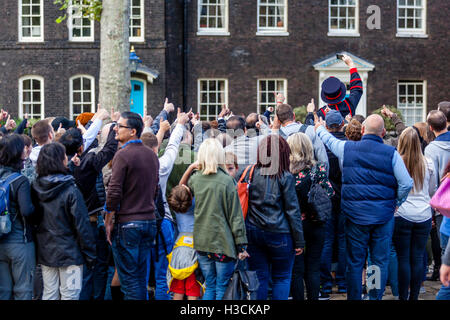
(137, 97)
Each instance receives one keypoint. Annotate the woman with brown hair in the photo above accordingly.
(413, 217)
(274, 226)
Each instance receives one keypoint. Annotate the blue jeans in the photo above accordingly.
(410, 240)
(444, 292)
(333, 227)
(359, 238)
(160, 266)
(392, 276)
(131, 246)
(307, 265)
(94, 280)
(17, 263)
(274, 250)
(217, 276)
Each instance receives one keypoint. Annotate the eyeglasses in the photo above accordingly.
(122, 126)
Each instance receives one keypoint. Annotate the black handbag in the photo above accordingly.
(243, 285)
(319, 200)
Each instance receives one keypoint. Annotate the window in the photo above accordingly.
(411, 101)
(82, 95)
(31, 96)
(343, 18)
(272, 17)
(266, 92)
(213, 17)
(31, 24)
(136, 21)
(411, 17)
(213, 94)
(80, 28)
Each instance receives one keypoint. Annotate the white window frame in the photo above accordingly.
(202, 31)
(70, 26)
(284, 92)
(21, 102)
(412, 32)
(22, 38)
(218, 105)
(414, 107)
(71, 92)
(272, 31)
(343, 32)
(141, 38)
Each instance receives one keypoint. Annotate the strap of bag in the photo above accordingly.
(244, 174)
(251, 173)
(303, 128)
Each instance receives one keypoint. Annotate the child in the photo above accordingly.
(182, 203)
(231, 164)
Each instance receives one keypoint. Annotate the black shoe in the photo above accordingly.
(324, 296)
(434, 276)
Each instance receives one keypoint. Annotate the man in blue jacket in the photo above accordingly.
(375, 182)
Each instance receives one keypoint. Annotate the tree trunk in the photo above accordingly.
(114, 83)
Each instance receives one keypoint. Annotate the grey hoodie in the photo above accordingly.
(439, 153)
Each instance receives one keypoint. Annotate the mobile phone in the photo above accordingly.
(339, 56)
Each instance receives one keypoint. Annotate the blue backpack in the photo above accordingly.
(5, 220)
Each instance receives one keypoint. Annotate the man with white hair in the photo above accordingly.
(375, 182)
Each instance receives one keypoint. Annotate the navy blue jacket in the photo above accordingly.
(369, 187)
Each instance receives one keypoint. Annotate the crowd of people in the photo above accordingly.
(113, 204)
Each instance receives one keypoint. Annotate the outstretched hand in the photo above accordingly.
(318, 121)
(311, 106)
(386, 112)
(169, 107)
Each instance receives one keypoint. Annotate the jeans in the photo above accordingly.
(110, 275)
(334, 230)
(271, 256)
(307, 265)
(62, 283)
(217, 276)
(17, 263)
(131, 247)
(392, 276)
(94, 280)
(444, 292)
(160, 266)
(359, 238)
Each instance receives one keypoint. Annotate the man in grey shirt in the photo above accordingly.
(286, 116)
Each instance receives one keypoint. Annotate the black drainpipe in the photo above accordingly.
(185, 52)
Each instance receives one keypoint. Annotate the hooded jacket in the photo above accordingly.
(64, 234)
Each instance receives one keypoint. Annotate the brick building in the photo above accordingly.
(239, 52)
(51, 69)
(203, 53)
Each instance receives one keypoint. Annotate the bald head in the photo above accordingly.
(374, 124)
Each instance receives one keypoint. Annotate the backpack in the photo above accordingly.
(5, 220)
(243, 189)
(319, 200)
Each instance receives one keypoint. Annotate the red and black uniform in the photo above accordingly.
(349, 104)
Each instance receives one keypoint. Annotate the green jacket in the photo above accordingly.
(219, 223)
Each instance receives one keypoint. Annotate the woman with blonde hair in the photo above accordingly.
(219, 230)
(413, 217)
(305, 171)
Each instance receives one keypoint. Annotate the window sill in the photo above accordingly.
(31, 41)
(343, 34)
(213, 33)
(136, 40)
(411, 35)
(272, 33)
(81, 40)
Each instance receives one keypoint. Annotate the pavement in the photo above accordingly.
(431, 287)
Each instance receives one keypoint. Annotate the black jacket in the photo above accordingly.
(335, 174)
(64, 234)
(273, 205)
(91, 165)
